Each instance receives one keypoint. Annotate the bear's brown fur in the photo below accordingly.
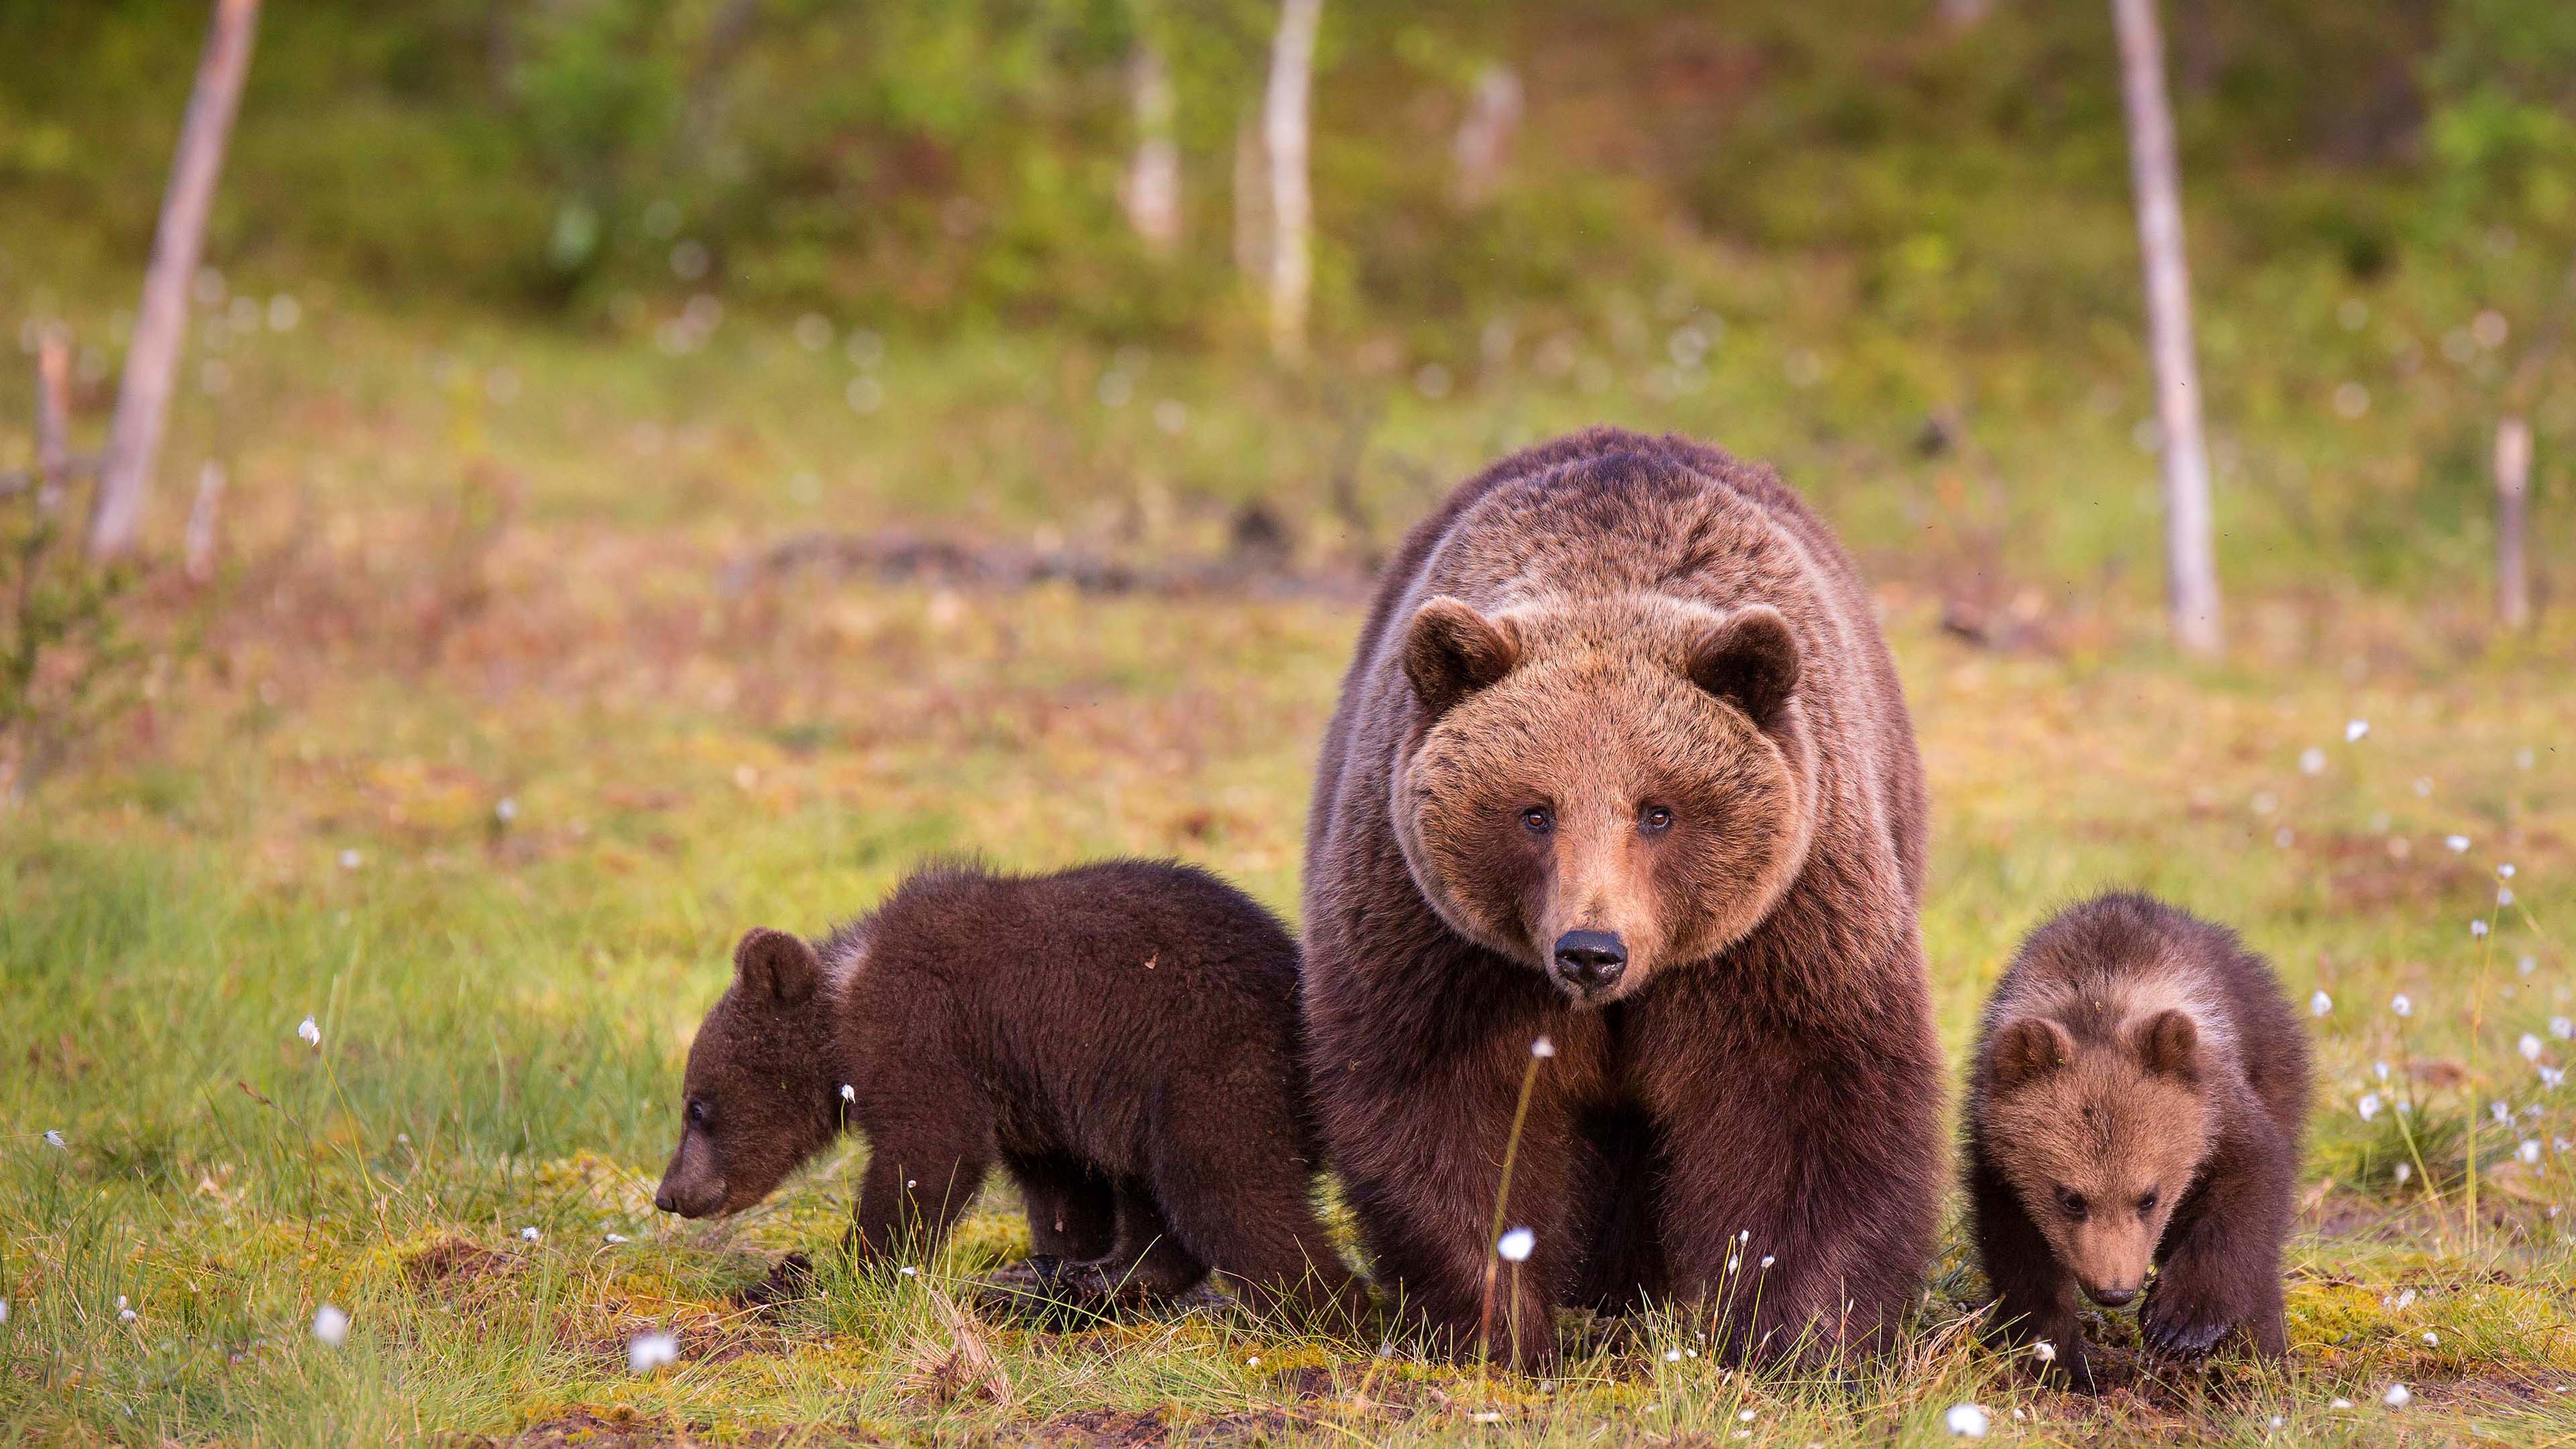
(1622, 761)
(1121, 1038)
(2139, 1092)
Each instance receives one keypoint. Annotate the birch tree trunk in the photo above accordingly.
(1284, 129)
(1251, 204)
(53, 418)
(1484, 144)
(161, 322)
(2513, 507)
(1153, 188)
(2191, 568)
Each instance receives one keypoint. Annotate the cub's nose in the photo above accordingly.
(2111, 1297)
(665, 1199)
(1590, 961)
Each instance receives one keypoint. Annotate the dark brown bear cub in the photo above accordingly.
(1122, 1039)
(2139, 1093)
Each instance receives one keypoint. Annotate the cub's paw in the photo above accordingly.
(791, 1279)
(2180, 1323)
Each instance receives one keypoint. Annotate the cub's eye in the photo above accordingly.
(2146, 1202)
(1538, 820)
(2071, 1202)
(698, 1113)
(1654, 820)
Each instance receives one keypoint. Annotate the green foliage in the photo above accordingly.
(66, 667)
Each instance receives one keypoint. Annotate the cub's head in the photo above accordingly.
(2099, 1139)
(760, 1093)
(1604, 789)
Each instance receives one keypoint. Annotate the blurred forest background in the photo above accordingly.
(1886, 242)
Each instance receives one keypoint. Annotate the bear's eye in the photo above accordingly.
(698, 1112)
(1538, 820)
(2071, 1202)
(2146, 1202)
(1654, 820)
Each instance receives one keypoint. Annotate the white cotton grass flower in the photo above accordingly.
(2432, 1339)
(55, 1139)
(2339, 1403)
(331, 1324)
(2552, 1077)
(2312, 761)
(1744, 1417)
(2354, 729)
(506, 809)
(2562, 1027)
(613, 1239)
(1516, 1245)
(1542, 1048)
(2405, 1171)
(2402, 1004)
(2505, 870)
(646, 1352)
(2526, 965)
(2457, 845)
(2405, 1300)
(4, 1310)
(530, 1234)
(1672, 1355)
(2478, 929)
(1768, 1260)
(849, 1093)
(2397, 1397)
(1966, 1421)
(2500, 1112)
(2369, 1105)
(2529, 1151)
(2504, 897)
(2380, 1070)
(2044, 1351)
(2529, 1046)
(308, 1033)
(351, 860)
(2320, 1004)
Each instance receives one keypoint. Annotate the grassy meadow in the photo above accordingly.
(507, 709)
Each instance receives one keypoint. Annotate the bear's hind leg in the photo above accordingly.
(1072, 1208)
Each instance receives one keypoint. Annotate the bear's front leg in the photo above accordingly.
(2221, 1260)
(1802, 1172)
(2034, 1294)
(1421, 1153)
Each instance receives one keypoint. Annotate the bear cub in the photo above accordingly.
(2139, 1092)
(1122, 1039)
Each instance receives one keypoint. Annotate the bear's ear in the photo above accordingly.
(776, 964)
(2025, 1050)
(1750, 660)
(2169, 1042)
(1451, 651)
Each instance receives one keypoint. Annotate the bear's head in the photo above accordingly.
(761, 1091)
(1599, 789)
(2099, 1140)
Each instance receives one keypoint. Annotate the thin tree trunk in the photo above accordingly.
(2513, 504)
(204, 528)
(1251, 204)
(161, 323)
(1284, 128)
(2191, 568)
(1153, 189)
(1484, 144)
(53, 418)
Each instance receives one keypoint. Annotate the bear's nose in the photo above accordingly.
(2111, 1297)
(666, 1200)
(1590, 961)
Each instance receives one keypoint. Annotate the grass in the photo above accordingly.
(446, 589)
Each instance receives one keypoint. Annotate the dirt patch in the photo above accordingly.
(459, 1271)
(620, 1427)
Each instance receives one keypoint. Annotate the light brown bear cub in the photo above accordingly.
(1121, 1039)
(2139, 1092)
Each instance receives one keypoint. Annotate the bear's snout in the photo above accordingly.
(1590, 962)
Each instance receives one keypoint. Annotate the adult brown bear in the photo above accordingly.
(1623, 762)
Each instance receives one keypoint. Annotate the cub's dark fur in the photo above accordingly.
(2139, 1092)
(1121, 1038)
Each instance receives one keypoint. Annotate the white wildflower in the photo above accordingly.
(849, 1093)
(2339, 1403)
(649, 1351)
(2320, 1004)
(2397, 1397)
(1253, 1362)
(351, 860)
(2529, 1151)
(2529, 1046)
(2044, 1351)
(4, 1310)
(2312, 761)
(55, 1139)
(2354, 729)
(308, 1033)
(1516, 1245)
(2424, 786)
(1542, 1048)
(331, 1325)
(1966, 1421)
(2500, 1111)
(2505, 870)
(2432, 1339)
(506, 810)
(528, 1233)
(910, 1271)
(613, 1239)
(2402, 1005)
(1672, 1355)
(2526, 965)
(2405, 1170)
(1746, 1417)
(2369, 1105)
(2504, 897)
(2561, 1027)
(2552, 1077)
(1768, 1260)
(2380, 1070)
(2478, 929)
(2457, 845)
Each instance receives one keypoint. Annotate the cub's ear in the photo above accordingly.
(1451, 651)
(2027, 1049)
(777, 964)
(2169, 1042)
(1749, 660)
